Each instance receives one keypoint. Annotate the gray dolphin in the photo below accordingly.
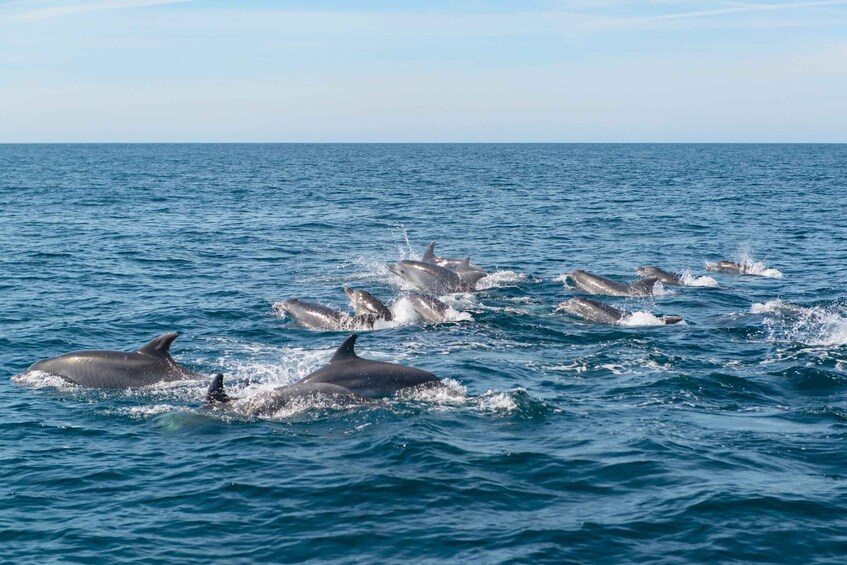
(118, 369)
(727, 267)
(595, 311)
(268, 404)
(366, 304)
(459, 265)
(371, 379)
(311, 315)
(663, 276)
(320, 317)
(432, 278)
(595, 284)
(428, 307)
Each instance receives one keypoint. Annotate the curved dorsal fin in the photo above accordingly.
(346, 351)
(466, 263)
(429, 252)
(216, 392)
(160, 345)
(645, 284)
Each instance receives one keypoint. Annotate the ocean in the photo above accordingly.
(720, 439)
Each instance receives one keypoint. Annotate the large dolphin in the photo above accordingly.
(433, 278)
(366, 304)
(371, 379)
(595, 284)
(463, 267)
(661, 275)
(595, 311)
(118, 369)
(269, 404)
(428, 307)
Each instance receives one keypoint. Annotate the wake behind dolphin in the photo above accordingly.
(145, 366)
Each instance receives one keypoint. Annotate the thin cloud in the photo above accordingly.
(61, 11)
(741, 9)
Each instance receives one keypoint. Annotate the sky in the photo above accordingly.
(423, 71)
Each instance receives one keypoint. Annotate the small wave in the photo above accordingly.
(689, 279)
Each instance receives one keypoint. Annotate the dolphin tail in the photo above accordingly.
(216, 391)
(429, 253)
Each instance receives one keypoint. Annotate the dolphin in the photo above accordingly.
(595, 284)
(727, 267)
(366, 304)
(433, 278)
(269, 404)
(145, 366)
(458, 265)
(595, 311)
(320, 317)
(371, 379)
(661, 275)
(428, 307)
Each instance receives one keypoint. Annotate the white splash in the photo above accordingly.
(689, 279)
(40, 379)
(499, 279)
(813, 325)
(641, 319)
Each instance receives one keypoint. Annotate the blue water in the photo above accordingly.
(554, 439)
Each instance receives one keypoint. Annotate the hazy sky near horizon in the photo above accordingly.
(437, 70)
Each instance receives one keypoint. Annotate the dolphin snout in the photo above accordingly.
(394, 268)
(348, 291)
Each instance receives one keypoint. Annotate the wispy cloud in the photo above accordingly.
(31, 15)
(716, 12)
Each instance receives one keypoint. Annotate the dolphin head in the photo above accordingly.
(645, 271)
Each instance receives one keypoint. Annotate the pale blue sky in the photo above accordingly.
(567, 70)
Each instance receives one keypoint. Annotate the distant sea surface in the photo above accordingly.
(723, 439)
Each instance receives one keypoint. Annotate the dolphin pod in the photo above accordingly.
(145, 366)
(347, 378)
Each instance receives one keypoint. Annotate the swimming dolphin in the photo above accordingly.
(661, 275)
(433, 278)
(145, 366)
(727, 267)
(366, 304)
(458, 265)
(371, 379)
(595, 311)
(595, 284)
(320, 317)
(428, 307)
(269, 404)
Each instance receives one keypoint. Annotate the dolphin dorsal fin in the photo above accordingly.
(159, 346)
(216, 392)
(467, 263)
(346, 351)
(645, 284)
(429, 252)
